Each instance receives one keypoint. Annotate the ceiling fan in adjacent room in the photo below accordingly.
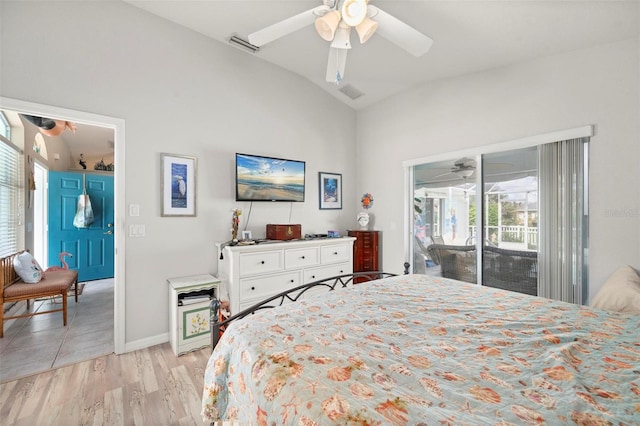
(462, 168)
(334, 20)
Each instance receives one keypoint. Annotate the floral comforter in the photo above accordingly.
(412, 349)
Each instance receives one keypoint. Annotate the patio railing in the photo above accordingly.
(511, 234)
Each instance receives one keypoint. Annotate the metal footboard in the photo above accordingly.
(290, 295)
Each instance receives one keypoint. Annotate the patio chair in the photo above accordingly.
(437, 239)
(457, 262)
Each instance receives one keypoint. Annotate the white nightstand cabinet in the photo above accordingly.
(251, 273)
(189, 325)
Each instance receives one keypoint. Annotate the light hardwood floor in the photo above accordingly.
(147, 387)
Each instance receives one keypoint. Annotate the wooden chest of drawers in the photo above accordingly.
(366, 252)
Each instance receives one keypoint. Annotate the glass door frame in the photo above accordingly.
(475, 153)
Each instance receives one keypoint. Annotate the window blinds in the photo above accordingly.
(11, 211)
(562, 220)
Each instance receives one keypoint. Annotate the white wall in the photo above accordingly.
(181, 93)
(597, 86)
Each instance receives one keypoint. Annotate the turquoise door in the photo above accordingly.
(91, 247)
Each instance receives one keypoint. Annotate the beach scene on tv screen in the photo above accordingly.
(261, 178)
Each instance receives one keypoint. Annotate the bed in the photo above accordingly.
(409, 349)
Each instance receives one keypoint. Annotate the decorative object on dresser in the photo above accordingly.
(189, 299)
(284, 232)
(235, 223)
(363, 217)
(252, 273)
(330, 190)
(178, 185)
(366, 252)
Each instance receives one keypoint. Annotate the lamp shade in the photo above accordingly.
(326, 25)
(366, 29)
(341, 39)
(354, 12)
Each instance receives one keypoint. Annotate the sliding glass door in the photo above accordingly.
(477, 219)
(510, 220)
(444, 212)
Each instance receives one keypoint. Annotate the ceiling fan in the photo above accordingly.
(334, 20)
(462, 168)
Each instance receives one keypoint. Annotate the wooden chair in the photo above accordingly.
(54, 283)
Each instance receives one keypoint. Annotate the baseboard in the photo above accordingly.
(147, 342)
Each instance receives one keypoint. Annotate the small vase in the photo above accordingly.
(363, 220)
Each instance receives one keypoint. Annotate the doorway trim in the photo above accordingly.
(118, 127)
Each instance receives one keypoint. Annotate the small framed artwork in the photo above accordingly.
(330, 190)
(246, 235)
(178, 174)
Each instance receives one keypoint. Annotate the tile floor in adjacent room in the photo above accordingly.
(35, 344)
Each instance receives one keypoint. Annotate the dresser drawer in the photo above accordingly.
(261, 263)
(300, 258)
(333, 254)
(320, 273)
(262, 287)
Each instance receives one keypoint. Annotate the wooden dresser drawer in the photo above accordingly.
(297, 258)
(262, 287)
(261, 263)
(322, 272)
(333, 254)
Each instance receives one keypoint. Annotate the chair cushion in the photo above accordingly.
(27, 268)
(54, 282)
(621, 292)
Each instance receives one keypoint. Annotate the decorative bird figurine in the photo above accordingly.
(64, 266)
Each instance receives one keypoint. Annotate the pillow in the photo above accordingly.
(27, 268)
(620, 293)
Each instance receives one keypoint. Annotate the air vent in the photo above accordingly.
(234, 40)
(351, 91)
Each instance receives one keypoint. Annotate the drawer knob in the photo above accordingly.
(313, 277)
(335, 252)
(292, 281)
(262, 262)
(303, 257)
(253, 288)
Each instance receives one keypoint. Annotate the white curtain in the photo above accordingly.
(562, 223)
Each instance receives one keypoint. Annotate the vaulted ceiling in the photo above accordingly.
(469, 36)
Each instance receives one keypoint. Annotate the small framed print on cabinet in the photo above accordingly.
(330, 190)
(178, 185)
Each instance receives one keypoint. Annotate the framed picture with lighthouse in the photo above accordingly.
(178, 185)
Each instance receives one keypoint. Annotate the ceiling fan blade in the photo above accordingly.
(442, 174)
(336, 65)
(399, 33)
(287, 26)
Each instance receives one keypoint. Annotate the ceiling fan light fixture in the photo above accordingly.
(464, 173)
(341, 39)
(354, 12)
(366, 29)
(326, 25)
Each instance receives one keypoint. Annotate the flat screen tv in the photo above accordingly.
(261, 178)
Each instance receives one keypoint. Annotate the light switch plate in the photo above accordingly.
(134, 209)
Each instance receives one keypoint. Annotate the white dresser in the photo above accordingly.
(252, 273)
(189, 299)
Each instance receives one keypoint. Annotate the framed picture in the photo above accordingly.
(178, 174)
(246, 235)
(330, 190)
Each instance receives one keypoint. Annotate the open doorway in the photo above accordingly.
(38, 223)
